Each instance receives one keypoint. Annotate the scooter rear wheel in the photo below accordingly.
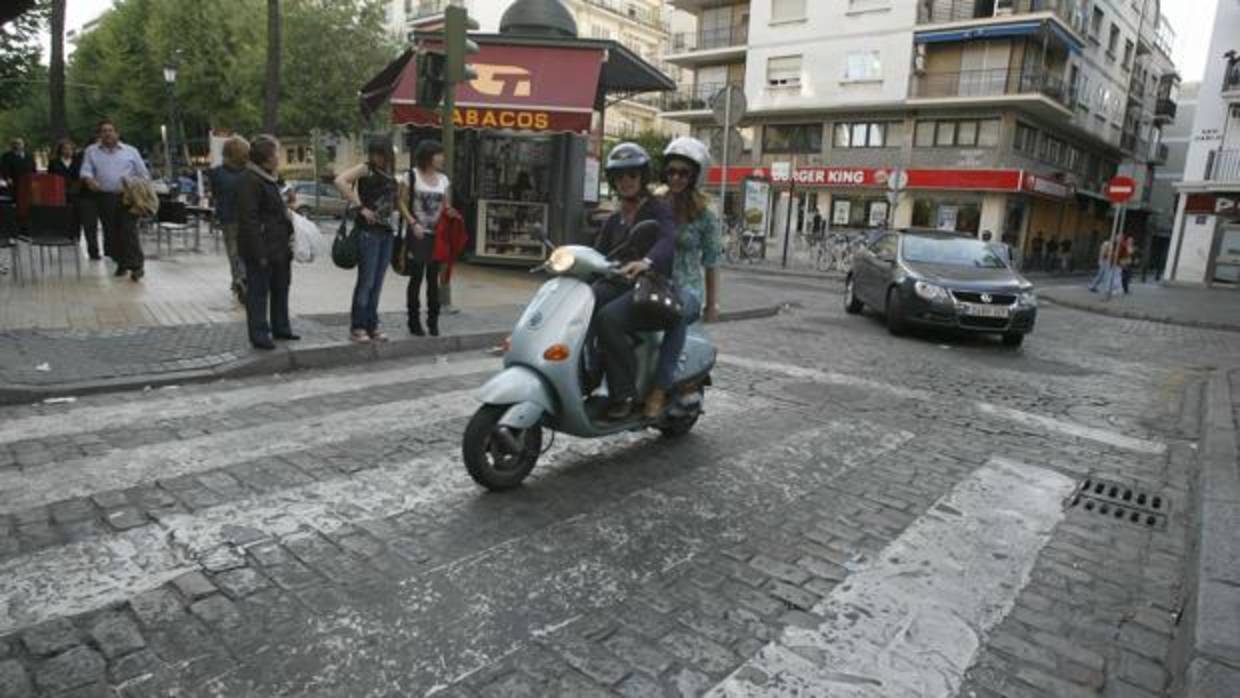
(489, 462)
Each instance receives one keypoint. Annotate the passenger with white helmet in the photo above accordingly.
(699, 246)
(628, 174)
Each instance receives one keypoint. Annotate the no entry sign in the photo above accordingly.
(1121, 189)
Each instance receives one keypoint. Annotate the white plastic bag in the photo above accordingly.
(305, 234)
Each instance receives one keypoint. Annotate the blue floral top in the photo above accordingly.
(698, 248)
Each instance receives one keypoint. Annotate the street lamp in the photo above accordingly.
(170, 74)
(170, 78)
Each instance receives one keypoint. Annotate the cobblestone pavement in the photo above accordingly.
(856, 515)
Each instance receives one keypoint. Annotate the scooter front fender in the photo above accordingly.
(519, 386)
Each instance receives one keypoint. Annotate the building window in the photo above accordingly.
(783, 71)
(863, 65)
(1128, 47)
(1113, 42)
(867, 135)
(972, 133)
(1095, 25)
(787, 10)
(792, 138)
(1026, 140)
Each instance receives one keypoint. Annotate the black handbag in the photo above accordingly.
(656, 300)
(345, 248)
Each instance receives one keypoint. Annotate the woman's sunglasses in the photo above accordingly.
(678, 172)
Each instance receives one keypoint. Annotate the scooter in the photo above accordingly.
(551, 379)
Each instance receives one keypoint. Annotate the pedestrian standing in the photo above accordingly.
(67, 163)
(1127, 256)
(105, 167)
(1065, 256)
(424, 194)
(16, 168)
(1039, 250)
(1104, 268)
(372, 189)
(264, 238)
(225, 179)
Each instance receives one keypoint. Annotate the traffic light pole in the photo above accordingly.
(448, 141)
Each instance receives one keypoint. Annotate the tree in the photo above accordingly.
(271, 87)
(56, 74)
(19, 54)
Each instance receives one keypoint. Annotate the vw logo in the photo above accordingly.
(987, 298)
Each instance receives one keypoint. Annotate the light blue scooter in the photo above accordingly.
(550, 379)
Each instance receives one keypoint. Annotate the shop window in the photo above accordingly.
(792, 138)
(867, 135)
(960, 216)
(863, 65)
(783, 71)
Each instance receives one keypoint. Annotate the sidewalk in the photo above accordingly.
(64, 336)
(1212, 308)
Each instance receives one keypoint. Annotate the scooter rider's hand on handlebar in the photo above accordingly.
(632, 270)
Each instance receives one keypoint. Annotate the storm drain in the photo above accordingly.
(1121, 502)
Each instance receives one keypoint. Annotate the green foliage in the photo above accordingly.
(28, 118)
(331, 47)
(19, 55)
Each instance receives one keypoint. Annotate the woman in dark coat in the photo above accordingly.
(67, 162)
(264, 236)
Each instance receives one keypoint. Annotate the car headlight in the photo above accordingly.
(562, 259)
(931, 292)
(1029, 298)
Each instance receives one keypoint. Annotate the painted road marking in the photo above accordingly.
(80, 577)
(910, 625)
(165, 405)
(1110, 438)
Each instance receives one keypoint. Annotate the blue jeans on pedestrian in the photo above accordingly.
(375, 251)
(674, 340)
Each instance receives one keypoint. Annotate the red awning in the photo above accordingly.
(919, 179)
(527, 88)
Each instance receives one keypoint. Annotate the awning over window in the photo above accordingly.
(998, 31)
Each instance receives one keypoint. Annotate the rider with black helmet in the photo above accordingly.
(629, 173)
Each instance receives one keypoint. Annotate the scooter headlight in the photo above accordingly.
(562, 259)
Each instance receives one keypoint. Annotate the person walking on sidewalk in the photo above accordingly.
(695, 266)
(1126, 260)
(1104, 268)
(67, 163)
(225, 180)
(424, 194)
(264, 238)
(372, 189)
(105, 167)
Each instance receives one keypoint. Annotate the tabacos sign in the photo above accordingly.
(474, 117)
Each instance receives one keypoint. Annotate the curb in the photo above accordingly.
(286, 360)
(1210, 657)
(1137, 315)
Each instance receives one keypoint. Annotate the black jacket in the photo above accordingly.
(72, 174)
(264, 231)
(661, 249)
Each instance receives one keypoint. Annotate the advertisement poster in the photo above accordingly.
(757, 204)
(947, 217)
(878, 214)
(841, 212)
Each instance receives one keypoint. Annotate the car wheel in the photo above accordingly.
(1013, 339)
(895, 313)
(852, 305)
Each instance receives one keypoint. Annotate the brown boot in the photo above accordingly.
(656, 401)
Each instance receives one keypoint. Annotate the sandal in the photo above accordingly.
(378, 336)
(359, 337)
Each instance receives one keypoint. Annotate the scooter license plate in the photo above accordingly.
(995, 311)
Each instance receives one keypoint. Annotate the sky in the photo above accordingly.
(1193, 21)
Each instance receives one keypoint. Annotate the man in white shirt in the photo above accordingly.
(105, 167)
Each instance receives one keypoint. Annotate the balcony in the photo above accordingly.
(1128, 141)
(1223, 166)
(708, 45)
(1136, 88)
(995, 85)
(950, 11)
(692, 101)
(637, 12)
(1165, 109)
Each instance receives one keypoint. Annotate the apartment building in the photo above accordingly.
(1007, 116)
(1205, 241)
(644, 26)
(1176, 137)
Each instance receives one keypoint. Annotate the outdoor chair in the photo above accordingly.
(8, 239)
(172, 219)
(51, 227)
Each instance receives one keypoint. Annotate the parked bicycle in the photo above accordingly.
(743, 245)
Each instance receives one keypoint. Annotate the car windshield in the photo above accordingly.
(953, 251)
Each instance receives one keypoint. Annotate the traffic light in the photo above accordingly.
(431, 79)
(457, 45)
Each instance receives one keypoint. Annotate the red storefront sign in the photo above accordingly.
(863, 177)
(526, 88)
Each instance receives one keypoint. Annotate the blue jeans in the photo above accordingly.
(1104, 278)
(674, 339)
(375, 248)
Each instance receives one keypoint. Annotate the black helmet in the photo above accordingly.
(628, 156)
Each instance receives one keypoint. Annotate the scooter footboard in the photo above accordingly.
(523, 389)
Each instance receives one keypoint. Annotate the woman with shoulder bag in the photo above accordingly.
(371, 189)
(699, 246)
(424, 194)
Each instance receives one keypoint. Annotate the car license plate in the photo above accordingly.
(998, 311)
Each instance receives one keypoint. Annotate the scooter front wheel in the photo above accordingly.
(496, 460)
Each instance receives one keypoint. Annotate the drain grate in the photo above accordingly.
(1121, 502)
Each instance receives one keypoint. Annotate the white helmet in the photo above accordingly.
(692, 150)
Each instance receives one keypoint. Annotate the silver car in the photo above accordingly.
(329, 202)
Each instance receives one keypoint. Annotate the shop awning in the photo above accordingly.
(524, 83)
(997, 31)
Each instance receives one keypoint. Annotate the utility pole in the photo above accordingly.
(457, 47)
